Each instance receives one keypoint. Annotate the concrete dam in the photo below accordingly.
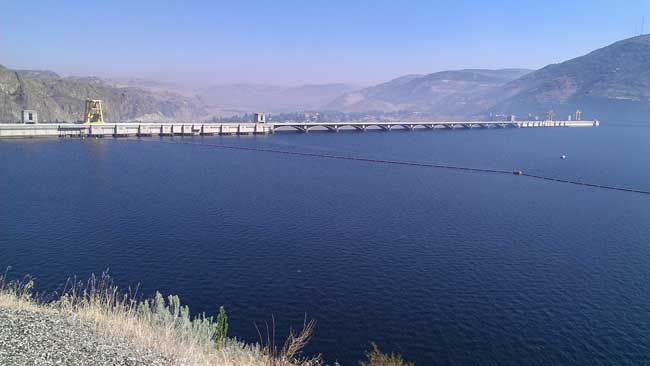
(23, 130)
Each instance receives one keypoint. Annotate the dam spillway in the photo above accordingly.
(209, 129)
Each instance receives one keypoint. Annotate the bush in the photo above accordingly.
(222, 327)
(161, 324)
(375, 357)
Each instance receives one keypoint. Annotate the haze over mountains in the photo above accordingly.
(246, 98)
(232, 99)
(446, 94)
(611, 84)
(57, 98)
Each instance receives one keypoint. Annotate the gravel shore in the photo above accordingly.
(34, 337)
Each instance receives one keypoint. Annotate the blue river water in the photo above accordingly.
(446, 267)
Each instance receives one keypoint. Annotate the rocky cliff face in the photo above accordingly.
(62, 99)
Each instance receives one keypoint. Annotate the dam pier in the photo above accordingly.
(19, 130)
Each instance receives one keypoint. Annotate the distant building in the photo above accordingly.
(259, 117)
(29, 116)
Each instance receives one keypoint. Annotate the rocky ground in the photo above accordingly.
(33, 337)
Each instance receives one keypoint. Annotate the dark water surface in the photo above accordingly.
(446, 267)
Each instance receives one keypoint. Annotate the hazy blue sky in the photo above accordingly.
(304, 41)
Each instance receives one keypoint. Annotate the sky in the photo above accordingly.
(297, 42)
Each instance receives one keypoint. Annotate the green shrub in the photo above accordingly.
(222, 327)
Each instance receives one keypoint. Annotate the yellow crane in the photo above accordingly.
(93, 115)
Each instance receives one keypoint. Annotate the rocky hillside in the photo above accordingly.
(62, 99)
(611, 83)
(443, 94)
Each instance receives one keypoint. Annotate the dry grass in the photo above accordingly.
(375, 357)
(160, 324)
(18, 294)
(291, 351)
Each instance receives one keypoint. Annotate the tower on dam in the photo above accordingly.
(259, 117)
(29, 116)
(578, 115)
(93, 114)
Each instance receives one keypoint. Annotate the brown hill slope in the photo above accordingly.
(62, 99)
(611, 83)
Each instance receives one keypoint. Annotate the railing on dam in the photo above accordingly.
(388, 126)
(191, 129)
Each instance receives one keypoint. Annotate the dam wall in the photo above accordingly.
(207, 129)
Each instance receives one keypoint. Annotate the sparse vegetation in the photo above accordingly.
(291, 351)
(374, 357)
(160, 324)
(222, 327)
(164, 325)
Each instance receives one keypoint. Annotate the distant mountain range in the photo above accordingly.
(446, 94)
(57, 98)
(611, 84)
